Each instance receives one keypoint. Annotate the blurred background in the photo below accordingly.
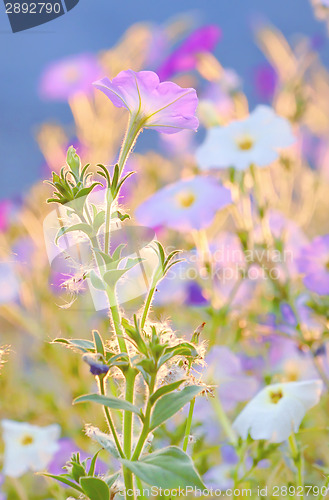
(93, 26)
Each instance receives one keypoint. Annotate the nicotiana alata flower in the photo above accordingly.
(28, 447)
(313, 263)
(278, 410)
(186, 56)
(185, 205)
(67, 77)
(165, 107)
(253, 140)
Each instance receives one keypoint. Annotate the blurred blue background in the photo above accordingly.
(98, 24)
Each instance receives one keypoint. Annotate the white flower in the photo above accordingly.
(253, 140)
(277, 410)
(28, 447)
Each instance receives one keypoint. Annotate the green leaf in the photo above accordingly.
(62, 479)
(77, 471)
(169, 468)
(99, 220)
(170, 404)
(96, 281)
(111, 480)
(117, 252)
(82, 345)
(99, 346)
(91, 471)
(109, 401)
(76, 227)
(165, 389)
(95, 488)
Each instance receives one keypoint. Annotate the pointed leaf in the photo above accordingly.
(109, 401)
(77, 227)
(62, 479)
(169, 468)
(98, 341)
(170, 404)
(96, 281)
(165, 389)
(95, 488)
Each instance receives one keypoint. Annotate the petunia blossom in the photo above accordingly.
(224, 369)
(28, 447)
(253, 140)
(165, 107)
(67, 77)
(185, 57)
(66, 448)
(185, 205)
(278, 410)
(313, 263)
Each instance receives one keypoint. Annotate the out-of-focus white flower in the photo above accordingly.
(278, 410)
(253, 140)
(28, 447)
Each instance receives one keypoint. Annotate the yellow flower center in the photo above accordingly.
(245, 143)
(27, 440)
(275, 396)
(185, 198)
(72, 74)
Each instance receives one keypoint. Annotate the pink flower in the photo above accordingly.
(67, 77)
(185, 57)
(165, 107)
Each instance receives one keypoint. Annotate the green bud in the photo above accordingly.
(73, 161)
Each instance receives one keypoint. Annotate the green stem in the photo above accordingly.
(128, 431)
(109, 418)
(224, 421)
(146, 424)
(188, 425)
(116, 319)
(298, 461)
(147, 305)
(132, 133)
(107, 221)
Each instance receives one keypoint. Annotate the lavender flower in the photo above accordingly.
(165, 107)
(66, 449)
(185, 57)
(67, 77)
(313, 263)
(225, 370)
(185, 205)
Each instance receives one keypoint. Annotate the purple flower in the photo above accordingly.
(179, 285)
(9, 283)
(165, 107)
(313, 263)
(185, 205)
(265, 80)
(185, 57)
(230, 267)
(225, 370)
(66, 449)
(5, 206)
(67, 77)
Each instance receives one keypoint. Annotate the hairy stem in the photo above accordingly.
(147, 305)
(109, 418)
(298, 461)
(146, 425)
(128, 431)
(188, 425)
